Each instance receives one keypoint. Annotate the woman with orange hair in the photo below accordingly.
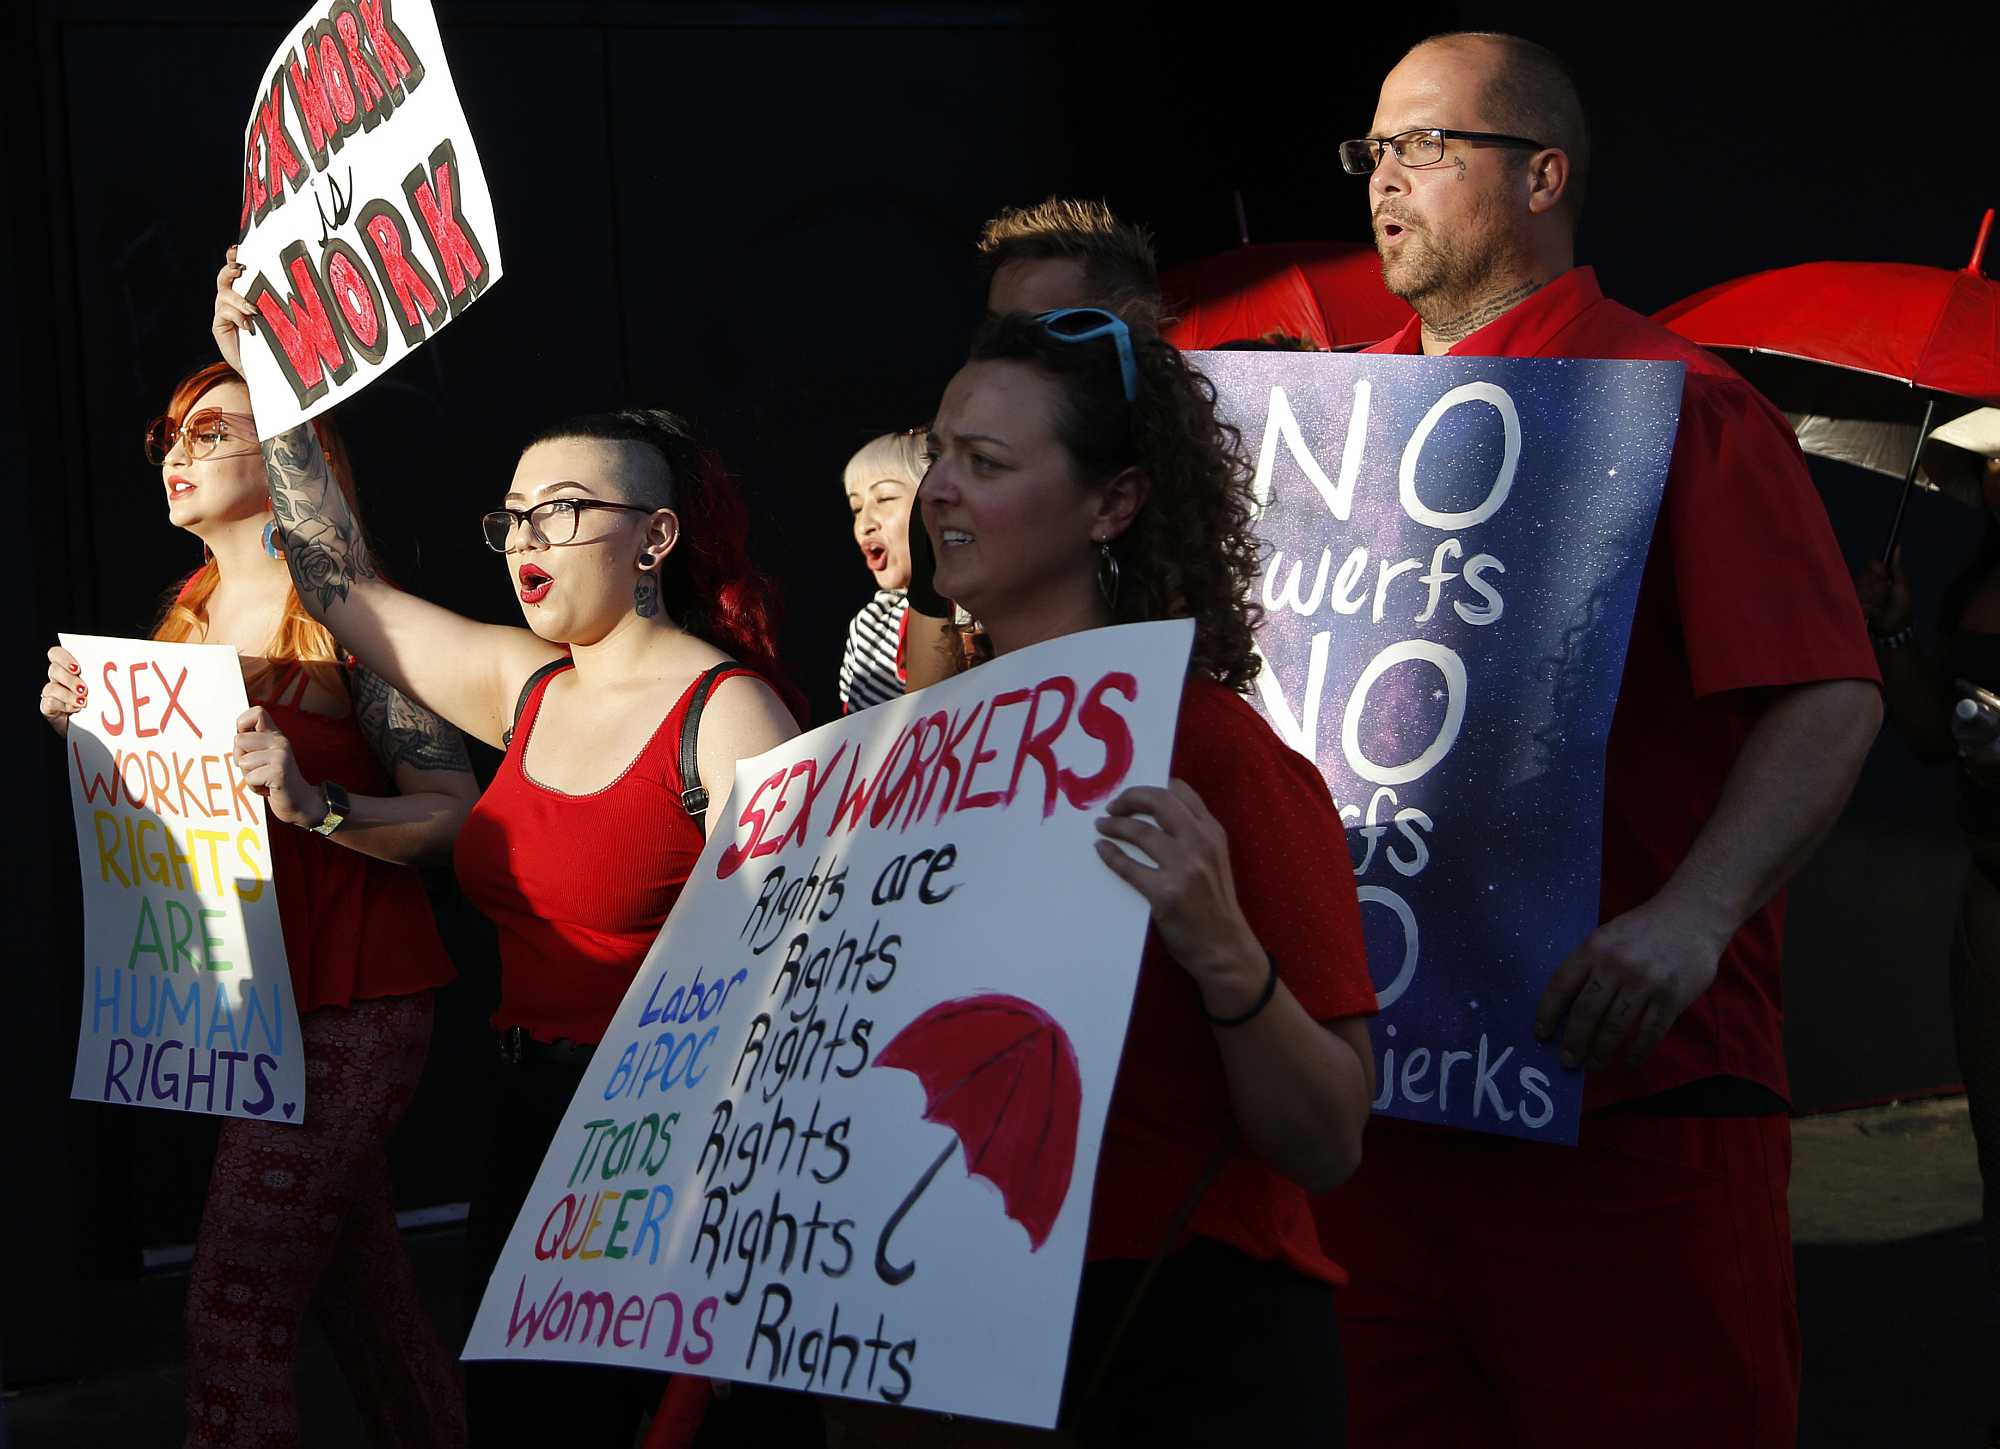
(361, 784)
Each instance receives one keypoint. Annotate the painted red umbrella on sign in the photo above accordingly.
(1853, 352)
(1001, 1074)
(1329, 293)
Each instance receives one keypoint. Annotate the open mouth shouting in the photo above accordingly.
(876, 556)
(535, 584)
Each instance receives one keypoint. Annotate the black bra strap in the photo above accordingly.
(527, 690)
(694, 797)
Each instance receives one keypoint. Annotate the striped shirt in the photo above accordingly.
(871, 667)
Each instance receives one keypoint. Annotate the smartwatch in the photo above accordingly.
(336, 808)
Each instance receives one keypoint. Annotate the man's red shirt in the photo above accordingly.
(1745, 591)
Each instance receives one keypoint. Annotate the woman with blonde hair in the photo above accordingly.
(361, 783)
(881, 483)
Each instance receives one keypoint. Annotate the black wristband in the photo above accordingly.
(1263, 999)
(1898, 640)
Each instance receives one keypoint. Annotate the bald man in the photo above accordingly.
(1636, 1289)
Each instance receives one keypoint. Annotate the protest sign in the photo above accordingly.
(841, 1135)
(1451, 554)
(187, 997)
(366, 222)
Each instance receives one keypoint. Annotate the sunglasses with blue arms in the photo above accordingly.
(1087, 324)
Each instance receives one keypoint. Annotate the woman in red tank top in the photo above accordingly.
(627, 547)
(361, 783)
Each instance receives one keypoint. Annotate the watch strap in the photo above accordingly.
(337, 808)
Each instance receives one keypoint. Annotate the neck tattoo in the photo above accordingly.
(646, 595)
(1457, 329)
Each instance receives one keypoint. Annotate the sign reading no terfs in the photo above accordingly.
(1452, 550)
(366, 224)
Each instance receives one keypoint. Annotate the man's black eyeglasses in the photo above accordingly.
(1418, 148)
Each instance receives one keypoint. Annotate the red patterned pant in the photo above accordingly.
(300, 1214)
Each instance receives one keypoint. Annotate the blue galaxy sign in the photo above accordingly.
(1452, 549)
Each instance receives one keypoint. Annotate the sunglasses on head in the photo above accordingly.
(1087, 324)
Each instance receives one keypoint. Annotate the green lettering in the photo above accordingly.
(147, 925)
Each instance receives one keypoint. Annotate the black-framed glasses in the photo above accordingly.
(1423, 147)
(202, 432)
(553, 522)
(1087, 324)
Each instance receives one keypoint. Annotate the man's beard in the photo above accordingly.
(1437, 270)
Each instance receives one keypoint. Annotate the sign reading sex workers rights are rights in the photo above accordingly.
(1452, 550)
(187, 996)
(366, 223)
(842, 1133)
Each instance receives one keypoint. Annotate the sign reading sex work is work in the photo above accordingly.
(1451, 554)
(366, 222)
(842, 1133)
(187, 997)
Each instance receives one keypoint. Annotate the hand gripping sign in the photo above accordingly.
(366, 222)
(187, 997)
(1452, 553)
(842, 1134)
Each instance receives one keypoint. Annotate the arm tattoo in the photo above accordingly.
(402, 732)
(323, 542)
(1457, 329)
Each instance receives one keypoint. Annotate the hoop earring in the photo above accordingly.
(1107, 574)
(274, 541)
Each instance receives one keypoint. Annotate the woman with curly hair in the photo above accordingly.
(1080, 478)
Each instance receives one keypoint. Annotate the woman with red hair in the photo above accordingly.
(646, 670)
(361, 784)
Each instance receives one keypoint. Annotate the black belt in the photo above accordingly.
(516, 1047)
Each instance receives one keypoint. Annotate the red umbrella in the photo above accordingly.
(1848, 348)
(1329, 293)
(1001, 1074)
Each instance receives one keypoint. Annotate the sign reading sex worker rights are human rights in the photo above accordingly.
(187, 997)
(1452, 552)
(366, 223)
(842, 1133)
